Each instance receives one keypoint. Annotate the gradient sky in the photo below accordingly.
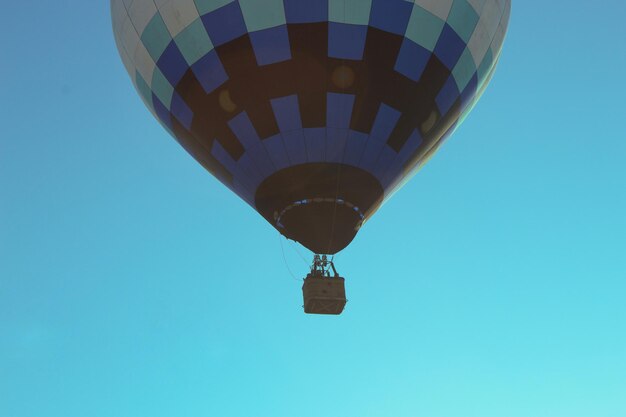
(133, 284)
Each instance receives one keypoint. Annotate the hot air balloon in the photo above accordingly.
(312, 111)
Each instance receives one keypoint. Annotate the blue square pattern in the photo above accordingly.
(355, 146)
(172, 64)
(287, 113)
(339, 110)
(246, 174)
(248, 171)
(223, 157)
(261, 158)
(335, 144)
(306, 11)
(315, 143)
(397, 166)
(410, 147)
(278, 153)
(210, 72)
(271, 45)
(346, 41)
(225, 24)
(412, 60)
(390, 178)
(391, 15)
(370, 155)
(295, 146)
(470, 90)
(181, 111)
(384, 162)
(447, 96)
(162, 112)
(386, 120)
(449, 47)
(242, 127)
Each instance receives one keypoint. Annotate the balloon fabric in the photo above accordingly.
(312, 111)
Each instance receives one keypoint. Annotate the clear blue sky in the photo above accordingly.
(133, 284)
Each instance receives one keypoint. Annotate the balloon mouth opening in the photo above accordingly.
(329, 200)
(320, 205)
(323, 227)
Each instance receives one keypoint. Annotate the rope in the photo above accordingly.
(282, 248)
(295, 248)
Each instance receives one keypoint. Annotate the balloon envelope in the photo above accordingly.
(312, 111)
